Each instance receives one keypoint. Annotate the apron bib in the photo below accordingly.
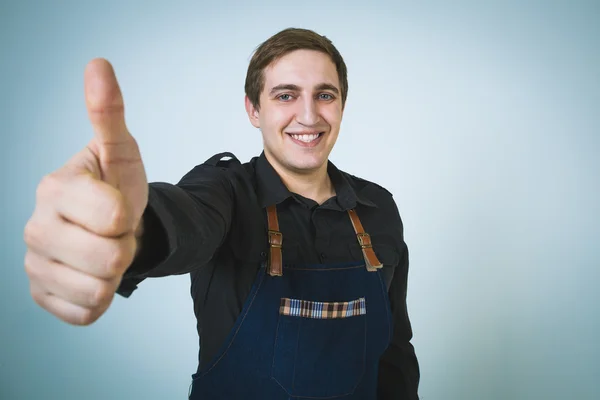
(305, 332)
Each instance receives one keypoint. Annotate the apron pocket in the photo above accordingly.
(320, 347)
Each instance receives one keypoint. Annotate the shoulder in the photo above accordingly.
(221, 167)
(374, 194)
(380, 216)
(368, 189)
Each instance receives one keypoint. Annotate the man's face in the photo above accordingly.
(300, 111)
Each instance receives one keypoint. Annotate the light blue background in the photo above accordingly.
(481, 117)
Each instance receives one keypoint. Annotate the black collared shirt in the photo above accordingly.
(212, 225)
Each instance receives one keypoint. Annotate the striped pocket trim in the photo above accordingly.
(322, 310)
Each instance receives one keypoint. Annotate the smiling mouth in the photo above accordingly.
(307, 138)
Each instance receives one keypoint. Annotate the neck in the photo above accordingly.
(315, 185)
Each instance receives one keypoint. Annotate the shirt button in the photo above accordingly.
(323, 256)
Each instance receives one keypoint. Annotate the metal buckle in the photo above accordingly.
(273, 234)
(363, 238)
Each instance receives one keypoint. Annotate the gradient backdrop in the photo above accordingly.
(481, 117)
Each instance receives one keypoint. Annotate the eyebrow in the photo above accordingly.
(296, 88)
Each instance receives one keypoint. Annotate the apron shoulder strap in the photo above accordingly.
(275, 264)
(364, 240)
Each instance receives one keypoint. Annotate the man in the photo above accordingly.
(298, 270)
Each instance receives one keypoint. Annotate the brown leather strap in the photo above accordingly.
(275, 264)
(364, 240)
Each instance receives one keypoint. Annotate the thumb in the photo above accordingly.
(104, 103)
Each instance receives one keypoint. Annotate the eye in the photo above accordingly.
(325, 96)
(284, 97)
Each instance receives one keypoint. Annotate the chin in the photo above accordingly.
(306, 162)
(298, 158)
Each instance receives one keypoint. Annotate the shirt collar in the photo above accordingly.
(271, 189)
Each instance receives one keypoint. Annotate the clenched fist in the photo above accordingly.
(83, 233)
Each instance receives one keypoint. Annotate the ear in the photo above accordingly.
(252, 113)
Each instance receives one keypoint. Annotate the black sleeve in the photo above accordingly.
(184, 225)
(398, 367)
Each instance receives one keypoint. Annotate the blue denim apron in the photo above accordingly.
(305, 331)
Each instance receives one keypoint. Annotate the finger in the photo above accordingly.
(87, 202)
(112, 144)
(64, 310)
(57, 239)
(104, 103)
(69, 284)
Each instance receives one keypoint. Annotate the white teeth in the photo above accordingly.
(305, 138)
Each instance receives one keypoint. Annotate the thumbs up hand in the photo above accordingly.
(83, 233)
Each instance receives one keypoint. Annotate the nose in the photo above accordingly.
(308, 113)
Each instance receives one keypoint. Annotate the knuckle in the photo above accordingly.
(118, 216)
(132, 143)
(32, 233)
(100, 295)
(30, 266)
(48, 187)
(116, 259)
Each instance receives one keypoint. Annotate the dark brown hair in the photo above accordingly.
(282, 43)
